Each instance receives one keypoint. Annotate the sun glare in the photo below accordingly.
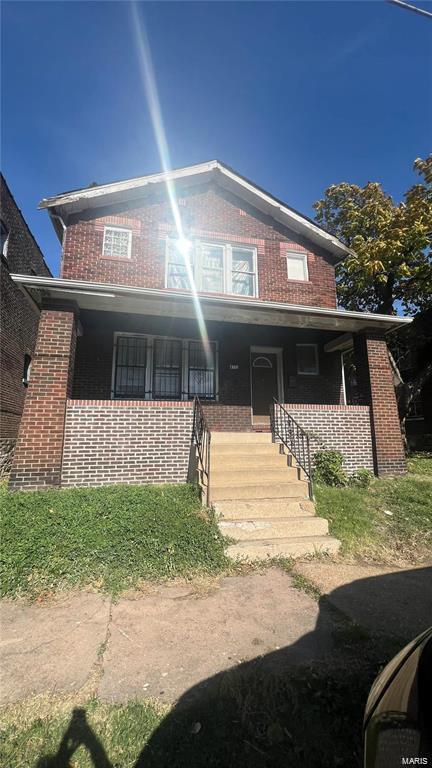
(151, 93)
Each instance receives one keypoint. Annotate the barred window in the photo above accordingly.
(155, 368)
(167, 368)
(201, 370)
(131, 366)
(117, 242)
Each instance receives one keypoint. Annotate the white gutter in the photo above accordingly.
(105, 289)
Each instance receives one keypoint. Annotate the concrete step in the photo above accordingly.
(292, 547)
(248, 461)
(291, 490)
(256, 509)
(274, 528)
(240, 437)
(225, 477)
(244, 449)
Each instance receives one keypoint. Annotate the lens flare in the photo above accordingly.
(150, 89)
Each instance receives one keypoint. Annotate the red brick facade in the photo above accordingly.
(93, 439)
(377, 388)
(207, 212)
(38, 455)
(18, 320)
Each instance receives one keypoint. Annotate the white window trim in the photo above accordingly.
(4, 252)
(118, 229)
(300, 256)
(308, 373)
(184, 368)
(227, 276)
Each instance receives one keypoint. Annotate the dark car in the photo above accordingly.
(398, 716)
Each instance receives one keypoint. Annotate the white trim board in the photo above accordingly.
(106, 194)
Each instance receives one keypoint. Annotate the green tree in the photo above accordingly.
(391, 243)
(390, 264)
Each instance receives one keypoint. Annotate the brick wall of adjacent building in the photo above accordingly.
(376, 386)
(18, 320)
(126, 442)
(38, 455)
(345, 428)
(208, 212)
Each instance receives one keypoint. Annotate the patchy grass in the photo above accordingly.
(420, 463)
(110, 538)
(389, 522)
(301, 582)
(245, 718)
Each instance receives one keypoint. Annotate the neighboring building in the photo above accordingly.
(19, 319)
(120, 353)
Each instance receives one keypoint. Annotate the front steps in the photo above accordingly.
(262, 500)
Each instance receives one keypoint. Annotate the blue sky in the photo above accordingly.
(295, 96)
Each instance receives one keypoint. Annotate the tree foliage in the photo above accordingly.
(391, 243)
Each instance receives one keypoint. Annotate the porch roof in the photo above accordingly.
(151, 301)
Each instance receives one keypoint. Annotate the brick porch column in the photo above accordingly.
(375, 380)
(38, 454)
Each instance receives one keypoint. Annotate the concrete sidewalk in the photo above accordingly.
(162, 643)
(157, 645)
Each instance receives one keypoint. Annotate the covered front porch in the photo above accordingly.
(116, 370)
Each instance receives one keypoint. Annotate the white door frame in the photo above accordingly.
(278, 351)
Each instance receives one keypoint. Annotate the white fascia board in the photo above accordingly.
(298, 222)
(113, 290)
(123, 186)
(256, 196)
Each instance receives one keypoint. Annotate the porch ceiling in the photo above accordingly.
(148, 301)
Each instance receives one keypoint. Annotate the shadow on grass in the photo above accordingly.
(272, 712)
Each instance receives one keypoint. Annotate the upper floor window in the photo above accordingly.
(117, 242)
(297, 266)
(4, 238)
(214, 267)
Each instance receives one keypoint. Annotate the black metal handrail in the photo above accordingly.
(201, 438)
(286, 429)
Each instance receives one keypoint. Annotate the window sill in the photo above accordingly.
(300, 282)
(213, 293)
(123, 259)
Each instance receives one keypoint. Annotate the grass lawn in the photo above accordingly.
(110, 538)
(389, 522)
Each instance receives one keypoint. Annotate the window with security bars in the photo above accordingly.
(117, 242)
(167, 369)
(201, 371)
(131, 367)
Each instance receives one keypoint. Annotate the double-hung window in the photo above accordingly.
(117, 243)
(214, 267)
(160, 368)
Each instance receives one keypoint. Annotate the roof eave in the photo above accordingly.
(131, 299)
(255, 195)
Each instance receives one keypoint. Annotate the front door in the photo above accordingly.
(264, 380)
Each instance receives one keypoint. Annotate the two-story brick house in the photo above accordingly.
(227, 294)
(19, 252)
